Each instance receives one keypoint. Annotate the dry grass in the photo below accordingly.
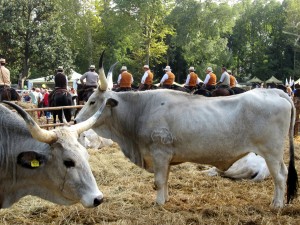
(129, 198)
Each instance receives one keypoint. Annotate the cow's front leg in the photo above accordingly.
(161, 163)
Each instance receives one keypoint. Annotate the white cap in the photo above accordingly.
(146, 66)
(168, 68)
(192, 68)
(123, 68)
(92, 66)
(209, 69)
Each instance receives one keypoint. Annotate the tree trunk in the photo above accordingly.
(21, 81)
(24, 74)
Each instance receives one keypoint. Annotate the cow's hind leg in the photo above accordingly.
(161, 161)
(278, 171)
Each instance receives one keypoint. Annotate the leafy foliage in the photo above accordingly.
(251, 37)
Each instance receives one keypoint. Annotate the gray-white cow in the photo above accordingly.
(156, 129)
(49, 164)
(251, 166)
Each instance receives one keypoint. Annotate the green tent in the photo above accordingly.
(254, 80)
(273, 80)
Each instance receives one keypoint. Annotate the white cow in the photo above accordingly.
(49, 164)
(157, 129)
(90, 139)
(251, 167)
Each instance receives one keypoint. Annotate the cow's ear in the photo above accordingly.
(112, 102)
(31, 159)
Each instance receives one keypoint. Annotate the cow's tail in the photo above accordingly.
(292, 179)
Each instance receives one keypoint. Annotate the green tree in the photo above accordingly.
(257, 39)
(292, 34)
(202, 31)
(135, 31)
(31, 38)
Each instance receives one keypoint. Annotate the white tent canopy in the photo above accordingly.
(74, 76)
(41, 80)
(297, 81)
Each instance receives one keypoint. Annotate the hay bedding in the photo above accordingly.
(129, 198)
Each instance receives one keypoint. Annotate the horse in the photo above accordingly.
(84, 93)
(202, 91)
(9, 94)
(61, 97)
(219, 91)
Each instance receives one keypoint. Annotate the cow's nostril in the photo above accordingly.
(75, 121)
(98, 201)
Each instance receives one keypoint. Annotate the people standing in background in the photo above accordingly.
(33, 96)
(46, 103)
(40, 99)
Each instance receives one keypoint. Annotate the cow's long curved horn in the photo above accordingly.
(81, 127)
(102, 79)
(35, 130)
(109, 78)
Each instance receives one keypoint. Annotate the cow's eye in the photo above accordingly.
(92, 102)
(69, 163)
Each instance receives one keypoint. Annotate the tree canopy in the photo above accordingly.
(253, 38)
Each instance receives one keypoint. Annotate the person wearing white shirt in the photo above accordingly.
(125, 80)
(168, 78)
(192, 79)
(225, 79)
(147, 79)
(210, 79)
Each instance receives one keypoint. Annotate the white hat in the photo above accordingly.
(146, 66)
(229, 71)
(123, 68)
(192, 68)
(2, 60)
(168, 68)
(209, 69)
(92, 66)
(60, 68)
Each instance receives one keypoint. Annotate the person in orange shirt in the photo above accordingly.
(147, 79)
(125, 80)
(210, 79)
(168, 78)
(192, 79)
(233, 81)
